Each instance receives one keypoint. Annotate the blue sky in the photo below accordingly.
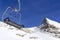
(34, 11)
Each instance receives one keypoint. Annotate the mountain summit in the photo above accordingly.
(51, 27)
(47, 21)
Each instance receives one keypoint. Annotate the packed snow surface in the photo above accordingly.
(8, 32)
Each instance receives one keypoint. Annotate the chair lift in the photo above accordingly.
(10, 22)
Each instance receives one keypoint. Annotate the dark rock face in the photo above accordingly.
(45, 21)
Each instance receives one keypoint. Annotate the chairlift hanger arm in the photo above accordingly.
(13, 9)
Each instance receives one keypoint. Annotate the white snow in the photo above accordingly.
(51, 22)
(8, 32)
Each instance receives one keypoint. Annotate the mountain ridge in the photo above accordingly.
(8, 32)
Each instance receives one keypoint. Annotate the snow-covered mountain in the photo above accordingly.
(46, 31)
(51, 27)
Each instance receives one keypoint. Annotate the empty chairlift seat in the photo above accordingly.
(8, 21)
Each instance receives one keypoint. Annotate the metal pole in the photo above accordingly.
(20, 18)
(19, 5)
(5, 12)
(19, 10)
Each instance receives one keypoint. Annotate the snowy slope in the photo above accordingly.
(51, 22)
(8, 32)
(50, 27)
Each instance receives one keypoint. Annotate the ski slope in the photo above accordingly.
(8, 32)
